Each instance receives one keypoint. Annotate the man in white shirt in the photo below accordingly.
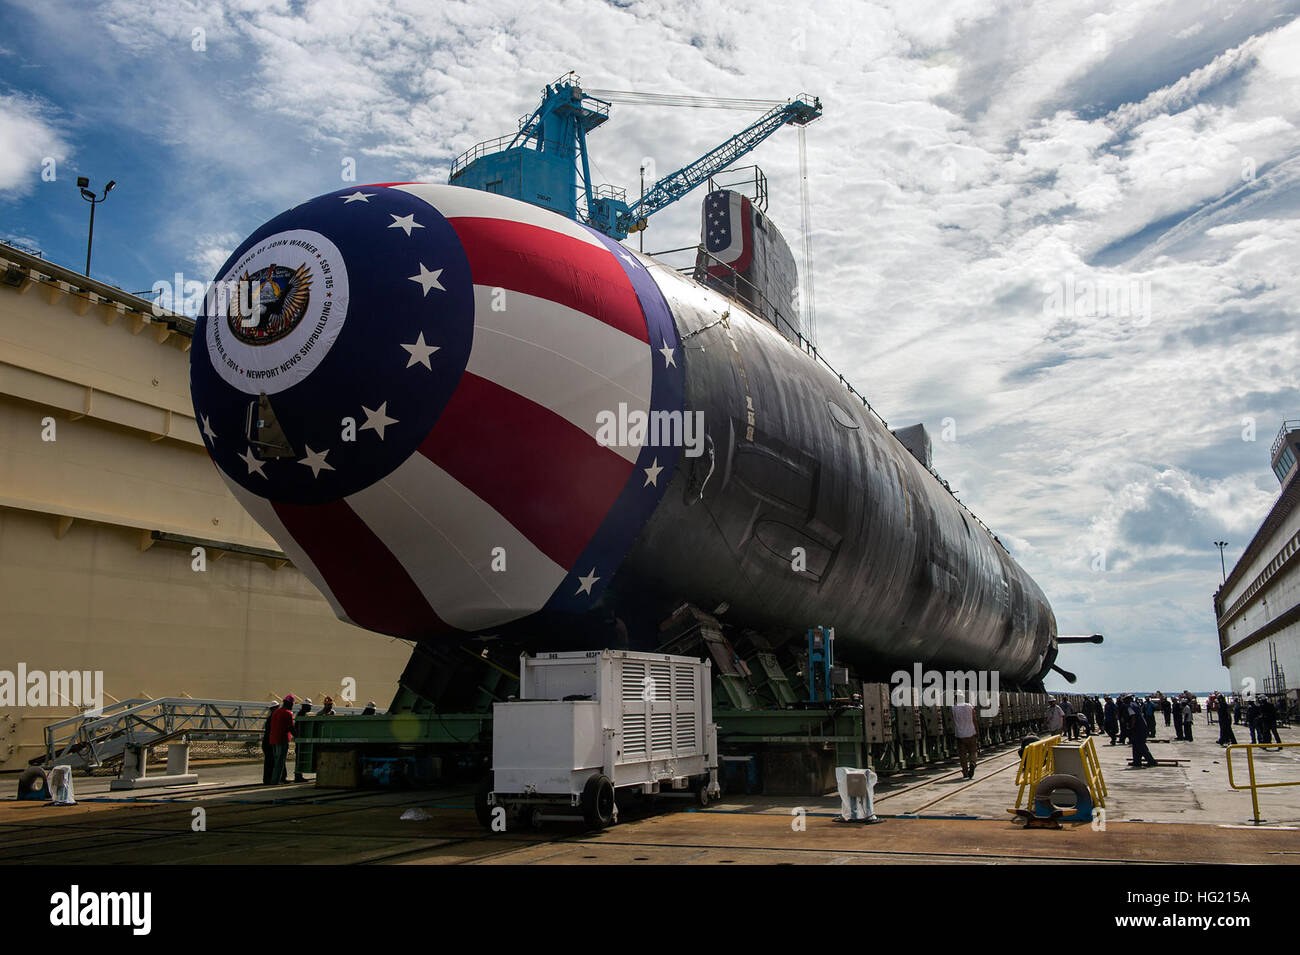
(1055, 718)
(966, 726)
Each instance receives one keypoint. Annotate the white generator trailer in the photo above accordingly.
(589, 724)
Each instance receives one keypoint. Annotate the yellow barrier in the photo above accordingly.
(1254, 786)
(1036, 764)
(1039, 761)
(1092, 773)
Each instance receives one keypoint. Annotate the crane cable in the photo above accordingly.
(810, 311)
(694, 102)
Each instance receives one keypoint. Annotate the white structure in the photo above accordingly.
(1258, 607)
(590, 723)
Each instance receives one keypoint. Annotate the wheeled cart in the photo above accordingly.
(588, 725)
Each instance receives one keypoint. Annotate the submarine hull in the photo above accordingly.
(461, 415)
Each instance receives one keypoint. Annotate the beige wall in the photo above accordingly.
(82, 584)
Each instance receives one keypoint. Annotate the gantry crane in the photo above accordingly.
(546, 163)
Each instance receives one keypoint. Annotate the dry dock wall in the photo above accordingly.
(105, 491)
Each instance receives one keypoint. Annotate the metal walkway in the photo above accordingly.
(96, 738)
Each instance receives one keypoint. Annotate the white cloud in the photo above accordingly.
(30, 145)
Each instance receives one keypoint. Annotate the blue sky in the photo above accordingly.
(980, 167)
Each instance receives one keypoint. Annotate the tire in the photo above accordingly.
(702, 798)
(481, 808)
(598, 802)
(1048, 785)
(34, 784)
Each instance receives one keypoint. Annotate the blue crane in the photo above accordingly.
(545, 161)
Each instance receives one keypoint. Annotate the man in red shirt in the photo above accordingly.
(280, 735)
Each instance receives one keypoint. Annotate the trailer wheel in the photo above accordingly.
(481, 808)
(598, 802)
(702, 793)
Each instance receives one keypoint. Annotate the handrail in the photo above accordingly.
(1037, 762)
(1287, 427)
(99, 735)
(1254, 786)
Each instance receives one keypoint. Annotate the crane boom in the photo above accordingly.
(670, 188)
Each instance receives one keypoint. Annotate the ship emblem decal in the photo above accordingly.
(281, 294)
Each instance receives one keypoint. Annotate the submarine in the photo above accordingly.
(468, 418)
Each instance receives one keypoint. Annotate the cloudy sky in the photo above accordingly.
(1069, 227)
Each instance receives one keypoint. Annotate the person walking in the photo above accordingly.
(1055, 719)
(966, 728)
(1267, 721)
(1226, 736)
(1252, 718)
(1187, 720)
(1166, 710)
(1110, 719)
(280, 736)
(1149, 714)
(1141, 754)
(1124, 718)
(1176, 710)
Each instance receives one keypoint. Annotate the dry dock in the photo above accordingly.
(1183, 813)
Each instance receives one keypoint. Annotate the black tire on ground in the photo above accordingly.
(481, 808)
(1049, 784)
(1025, 741)
(34, 780)
(598, 802)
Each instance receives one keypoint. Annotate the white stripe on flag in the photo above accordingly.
(560, 358)
(456, 201)
(262, 512)
(445, 536)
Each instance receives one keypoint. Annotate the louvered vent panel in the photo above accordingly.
(684, 684)
(633, 680)
(661, 732)
(685, 732)
(662, 674)
(633, 735)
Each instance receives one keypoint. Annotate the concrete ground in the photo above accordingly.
(1181, 812)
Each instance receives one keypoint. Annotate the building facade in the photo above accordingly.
(1258, 606)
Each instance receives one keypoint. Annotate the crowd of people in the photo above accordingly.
(1132, 719)
(277, 734)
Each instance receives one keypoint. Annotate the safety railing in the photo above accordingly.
(1092, 773)
(96, 737)
(1255, 785)
(496, 145)
(1037, 762)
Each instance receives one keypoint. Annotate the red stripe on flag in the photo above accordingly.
(549, 479)
(382, 597)
(537, 261)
